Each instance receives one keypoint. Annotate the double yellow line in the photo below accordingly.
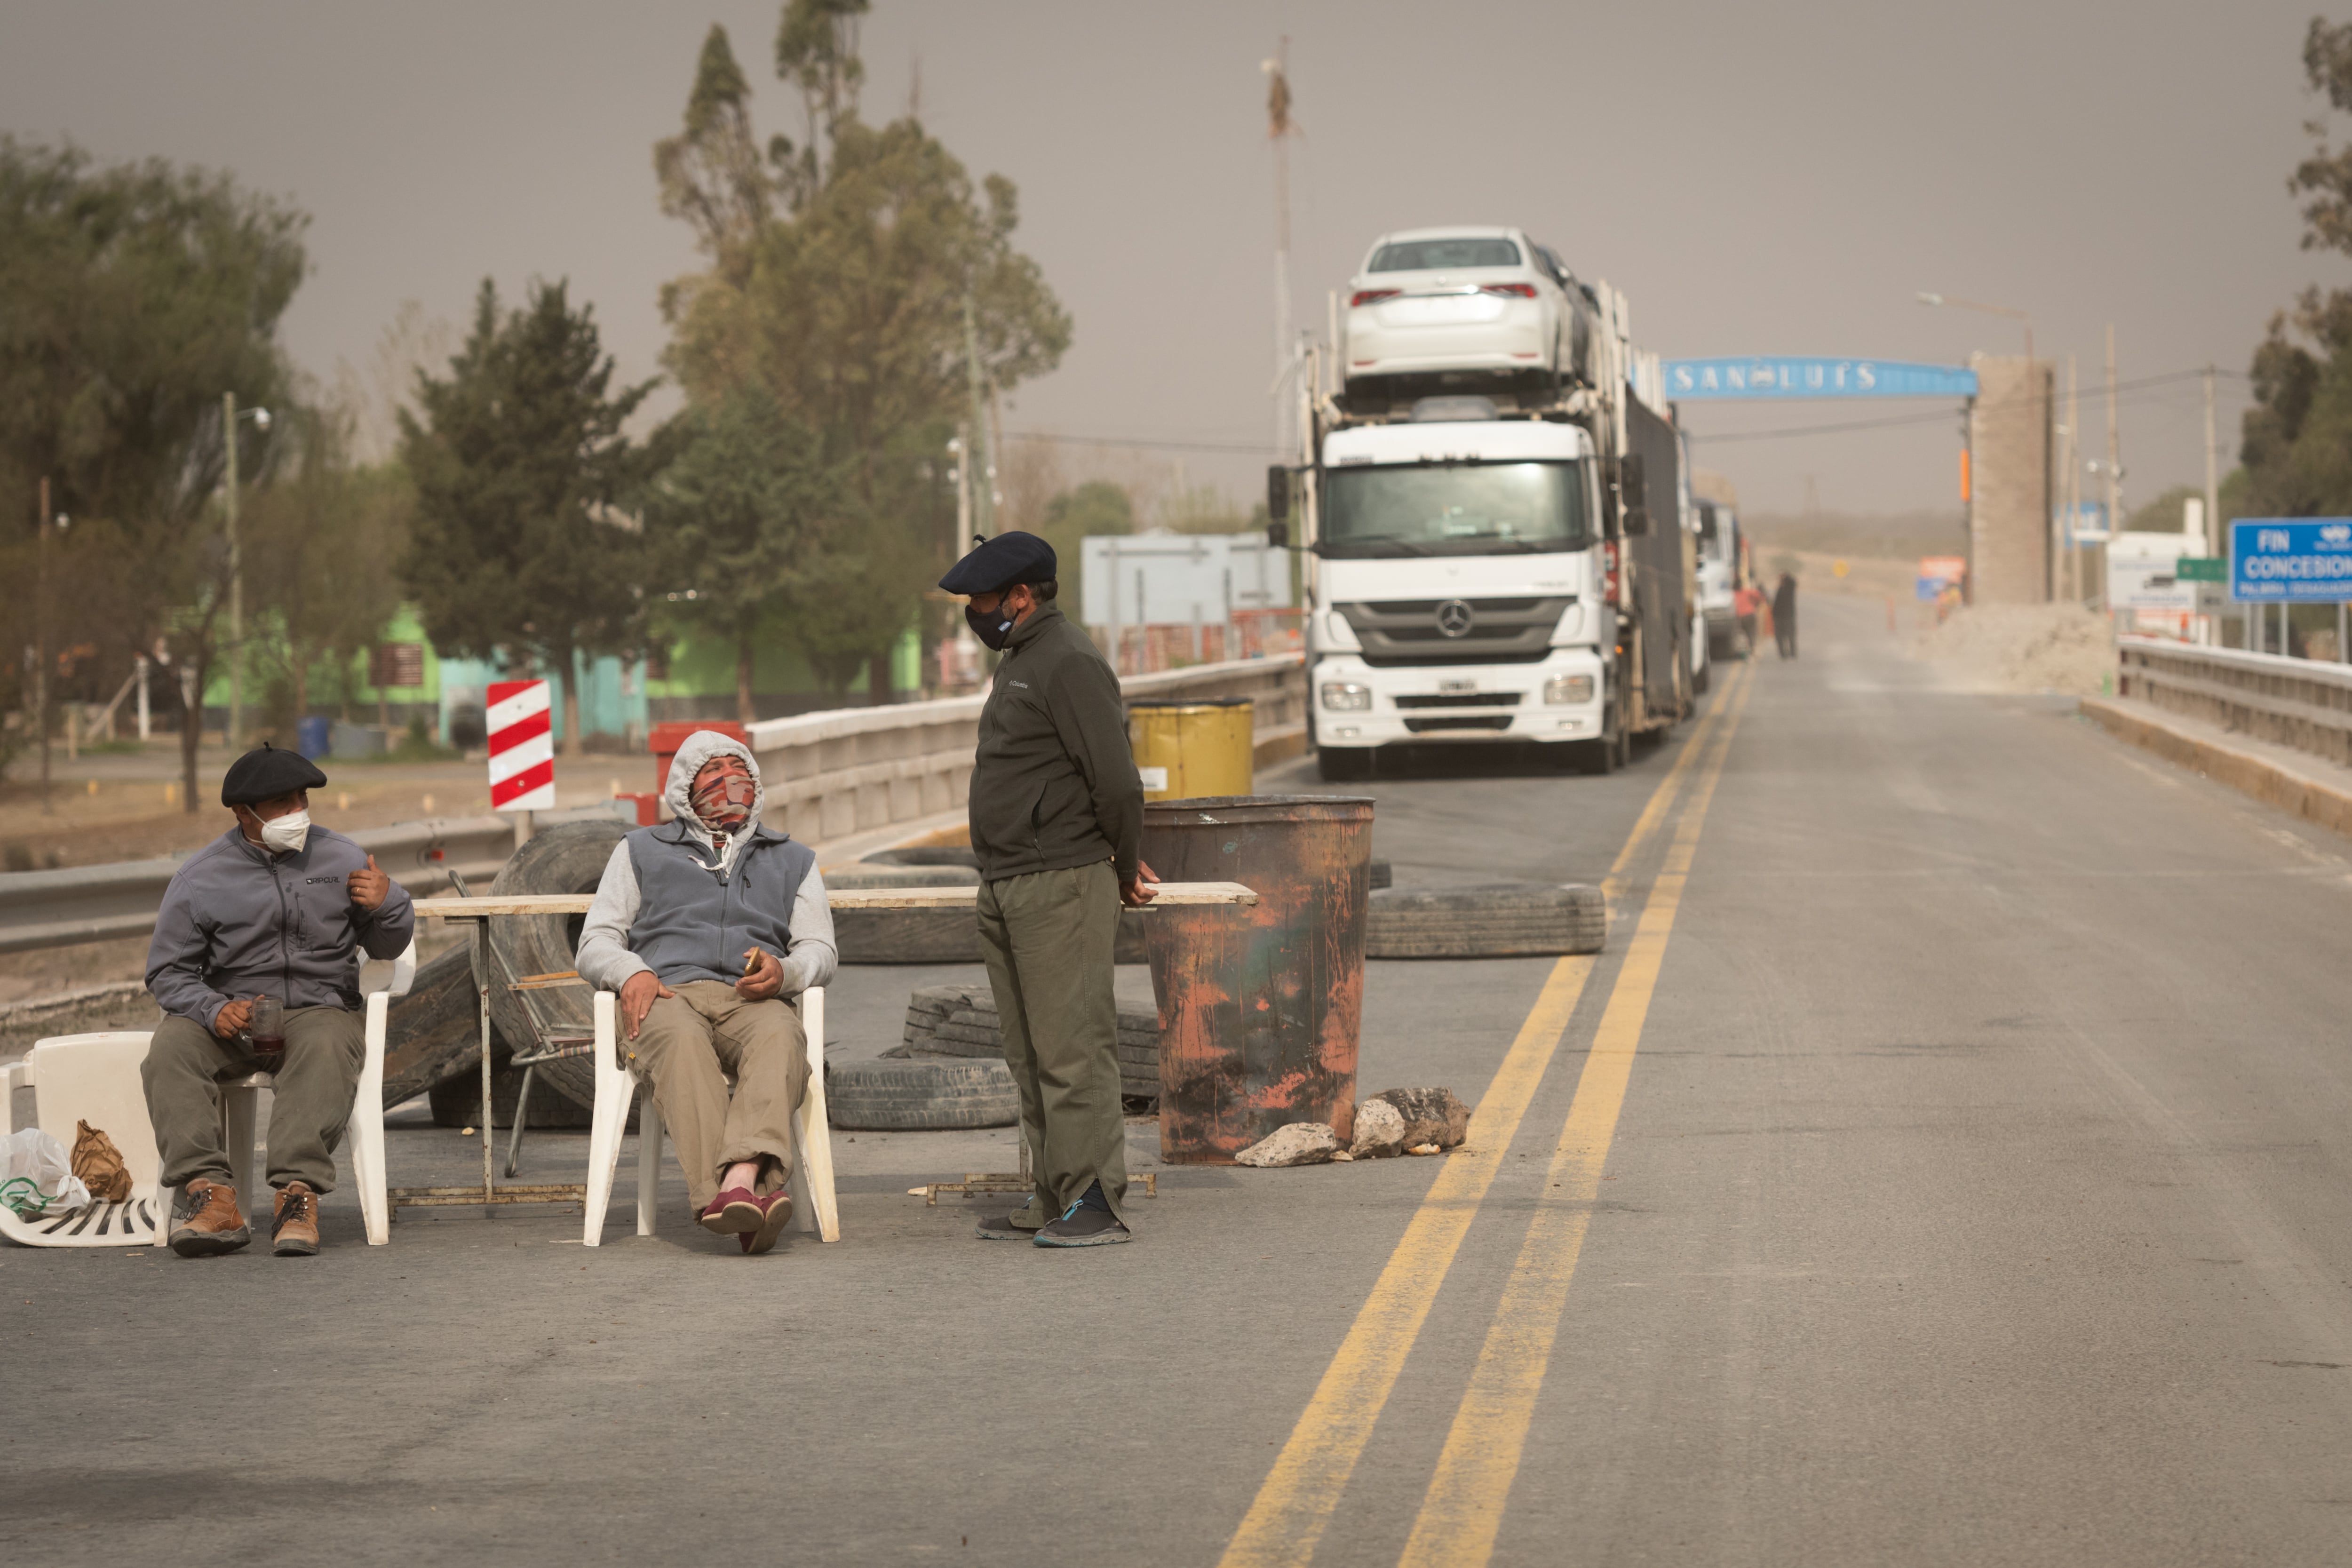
(1465, 1503)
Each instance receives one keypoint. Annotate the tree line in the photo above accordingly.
(854, 284)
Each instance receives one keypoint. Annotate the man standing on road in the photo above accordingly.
(1784, 615)
(1056, 823)
(274, 907)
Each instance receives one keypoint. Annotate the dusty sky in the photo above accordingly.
(1756, 178)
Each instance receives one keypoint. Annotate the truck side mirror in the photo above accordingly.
(1277, 536)
(1277, 492)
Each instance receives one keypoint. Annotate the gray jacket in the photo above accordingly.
(608, 956)
(238, 921)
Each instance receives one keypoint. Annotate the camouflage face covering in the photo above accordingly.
(722, 796)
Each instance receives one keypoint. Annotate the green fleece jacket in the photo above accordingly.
(1053, 784)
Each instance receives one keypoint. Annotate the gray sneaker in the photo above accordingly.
(1083, 1225)
(1008, 1226)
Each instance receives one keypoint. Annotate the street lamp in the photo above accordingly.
(229, 416)
(2020, 316)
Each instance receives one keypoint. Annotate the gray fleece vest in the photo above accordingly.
(693, 924)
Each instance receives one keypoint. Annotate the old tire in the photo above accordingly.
(919, 1094)
(566, 858)
(434, 1032)
(1508, 919)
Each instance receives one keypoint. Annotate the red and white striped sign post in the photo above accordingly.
(522, 747)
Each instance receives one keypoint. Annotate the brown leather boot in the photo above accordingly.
(294, 1230)
(206, 1221)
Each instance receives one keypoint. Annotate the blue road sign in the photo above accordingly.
(1788, 375)
(2290, 559)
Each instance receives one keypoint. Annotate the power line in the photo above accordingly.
(1258, 449)
(1939, 416)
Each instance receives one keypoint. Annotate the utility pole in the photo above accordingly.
(2212, 475)
(2114, 453)
(235, 590)
(1277, 131)
(979, 461)
(41, 642)
(2071, 495)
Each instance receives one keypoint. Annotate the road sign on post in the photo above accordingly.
(522, 746)
(2290, 559)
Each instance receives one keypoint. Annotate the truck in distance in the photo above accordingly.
(1495, 554)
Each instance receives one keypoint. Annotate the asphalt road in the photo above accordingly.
(1946, 1164)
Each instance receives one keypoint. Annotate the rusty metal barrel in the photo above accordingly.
(1259, 1007)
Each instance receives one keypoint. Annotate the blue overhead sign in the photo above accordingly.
(1784, 375)
(2290, 559)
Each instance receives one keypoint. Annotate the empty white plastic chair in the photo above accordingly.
(616, 1085)
(93, 1079)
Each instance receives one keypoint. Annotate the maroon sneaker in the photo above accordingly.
(776, 1211)
(735, 1212)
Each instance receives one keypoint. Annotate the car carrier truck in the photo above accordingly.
(1494, 559)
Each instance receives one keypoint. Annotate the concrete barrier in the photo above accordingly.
(852, 771)
(2296, 702)
(829, 775)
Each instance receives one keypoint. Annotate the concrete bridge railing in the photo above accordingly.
(2296, 702)
(829, 775)
(855, 770)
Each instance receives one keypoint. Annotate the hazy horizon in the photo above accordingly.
(1754, 181)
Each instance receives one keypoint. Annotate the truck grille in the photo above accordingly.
(1423, 726)
(1397, 632)
(1462, 700)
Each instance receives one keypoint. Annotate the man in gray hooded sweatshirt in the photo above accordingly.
(705, 924)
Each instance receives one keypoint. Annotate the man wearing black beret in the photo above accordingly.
(273, 908)
(1056, 823)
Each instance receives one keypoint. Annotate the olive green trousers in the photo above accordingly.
(1047, 937)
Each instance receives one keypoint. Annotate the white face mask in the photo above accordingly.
(286, 835)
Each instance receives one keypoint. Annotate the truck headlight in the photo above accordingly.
(1562, 689)
(1347, 696)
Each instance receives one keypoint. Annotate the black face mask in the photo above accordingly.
(994, 629)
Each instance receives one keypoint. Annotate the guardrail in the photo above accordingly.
(97, 903)
(829, 775)
(2296, 702)
(853, 769)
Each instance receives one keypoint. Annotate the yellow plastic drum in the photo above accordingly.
(1187, 750)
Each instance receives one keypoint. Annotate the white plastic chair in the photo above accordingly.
(616, 1085)
(95, 1078)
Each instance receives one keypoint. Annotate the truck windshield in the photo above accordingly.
(1453, 509)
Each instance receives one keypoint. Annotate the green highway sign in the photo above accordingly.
(2201, 569)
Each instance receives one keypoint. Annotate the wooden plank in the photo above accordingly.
(1169, 893)
(506, 904)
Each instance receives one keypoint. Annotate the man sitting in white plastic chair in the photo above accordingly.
(274, 910)
(705, 924)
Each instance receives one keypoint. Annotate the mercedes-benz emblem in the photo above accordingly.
(1453, 619)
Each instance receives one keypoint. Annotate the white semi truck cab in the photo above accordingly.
(1461, 589)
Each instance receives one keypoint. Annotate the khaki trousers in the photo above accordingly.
(1047, 937)
(688, 1045)
(310, 1095)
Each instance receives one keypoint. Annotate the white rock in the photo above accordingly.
(1300, 1143)
(1379, 1131)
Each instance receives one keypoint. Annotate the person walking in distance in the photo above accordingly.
(1056, 825)
(1784, 615)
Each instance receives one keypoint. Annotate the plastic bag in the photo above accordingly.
(98, 1164)
(35, 1176)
